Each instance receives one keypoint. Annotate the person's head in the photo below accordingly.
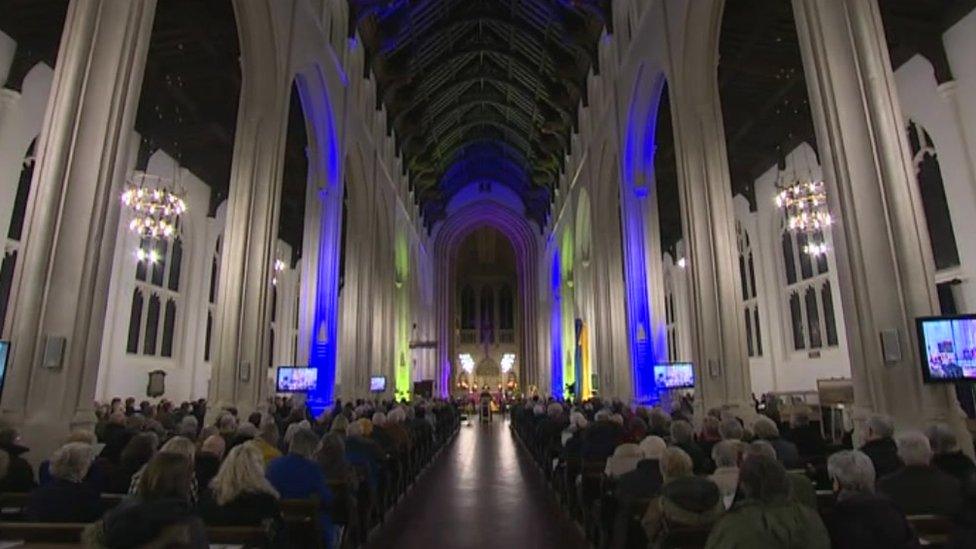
(242, 472)
(367, 426)
(227, 424)
(765, 428)
(139, 450)
(675, 463)
(81, 435)
(355, 429)
(168, 475)
(188, 427)
(180, 445)
(851, 471)
(303, 443)
(554, 410)
(759, 448)
(627, 450)
(397, 415)
(879, 427)
(538, 410)
(214, 445)
(659, 420)
(117, 418)
(682, 432)
(652, 447)
(577, 421)
(602, 415)
(763, 478)
(942, 439)
(710, 428)
(379, 419)
(340, 424)
(618, 419)
(914, 448)
(730, 429)
(726, 453)
(255, 419)
(269, 432)
(71, 461)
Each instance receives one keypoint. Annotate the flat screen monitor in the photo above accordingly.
(377, 384)
(296, 379)
(674, 375)
(947, 346)
(4, 358)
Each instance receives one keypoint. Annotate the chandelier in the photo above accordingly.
(156, 209)
(805, 204)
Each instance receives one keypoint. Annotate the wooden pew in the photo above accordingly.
(70, 533)
(932, 530)
(301, 518)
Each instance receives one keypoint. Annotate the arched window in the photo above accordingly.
(487, 315)
(670, 318)
(15, 230)
(934, 201)
(160, 280)
(808, 293)
(750, 299)
(468, 307)
(506, 308)
(212, 302)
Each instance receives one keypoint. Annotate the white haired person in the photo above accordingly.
(766, 429)
(726, 456)
(880, 445)
(862, 519)
(67, 497)
(946, 453)
(919, 488)
(645, 480)
(623, 460)
(240, 495)
(686, 500)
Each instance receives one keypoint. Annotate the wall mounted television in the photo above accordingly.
(947, 348)
(294, 379)
(674, 375)
(377, 384)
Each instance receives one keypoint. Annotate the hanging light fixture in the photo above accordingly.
(156, 210)
(805, 205)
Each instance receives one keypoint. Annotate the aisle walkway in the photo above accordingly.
(481, 492)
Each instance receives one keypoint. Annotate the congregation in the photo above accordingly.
(159, 474)
(645, 478)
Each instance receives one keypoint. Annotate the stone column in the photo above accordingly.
(715, 327)
(883, 254)
(240, 373)
(71, 219)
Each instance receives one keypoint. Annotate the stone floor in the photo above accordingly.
(482, 491)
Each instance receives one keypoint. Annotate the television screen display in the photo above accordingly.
(947, 346)
(674, 375)
(377, 384)
(296, 380)
(4, 357)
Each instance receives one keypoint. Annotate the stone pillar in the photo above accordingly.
(240, 372)
(715, 327)
(74, 209)
(884, 260)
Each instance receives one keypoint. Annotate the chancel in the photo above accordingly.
(488, 273)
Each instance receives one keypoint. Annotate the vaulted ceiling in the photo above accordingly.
(481, 90)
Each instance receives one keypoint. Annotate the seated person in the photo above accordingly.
(787, 453)
(947, 457)
(802, 489)
(685, 500)
(135, 455)
(601, 438)
(206, 462)
(97, 473)
(175, 445)
(160, 516)
(805, 435)
(296, 476)
(880, 446)
(862, 519)
(240, 495)
(726, 456)
(767, 516)
(623, 460)
(919, 488)
(67, 497)
(645, 480)
(683, 436)
(19, 477)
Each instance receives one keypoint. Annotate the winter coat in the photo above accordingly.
(686, 501)
(869, 521)
(778, 524)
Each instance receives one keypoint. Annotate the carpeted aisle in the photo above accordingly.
(481, 491)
